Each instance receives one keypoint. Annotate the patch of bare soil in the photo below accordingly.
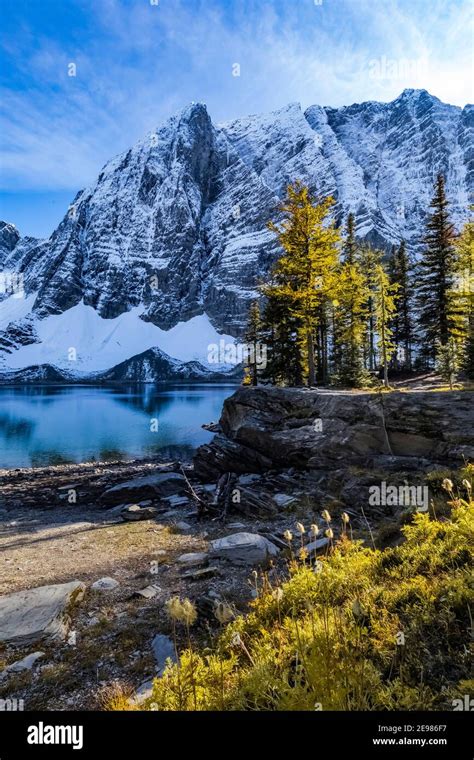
(111, 630)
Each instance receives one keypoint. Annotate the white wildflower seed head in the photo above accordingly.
(447, 484)
(236, 641)
(173, 608)
(467, 485)
(345, 518)
(300, 528)
(223, 612)
(326, 516)
(181, 611)
(278, 594)
(314, 530)
(329, 533)
(288, 535)
(189, 612)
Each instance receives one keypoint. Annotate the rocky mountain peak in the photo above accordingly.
(9, 237)
(176, 226)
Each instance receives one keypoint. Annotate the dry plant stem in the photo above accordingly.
(368, 526)
(193, 683)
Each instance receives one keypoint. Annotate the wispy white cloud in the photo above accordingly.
(137, 64)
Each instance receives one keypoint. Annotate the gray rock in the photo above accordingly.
(149, 591)
(283, 500)
(105, 584)
(143, 692)
(25, 664)
(244, 549)
(160, 484)
(193, 559)
(246, 480)
(177, 501)
(200, 574)
(273, 428)
(163, 650)
(316, 546)
(39, 614)
(183, 526)
(134, 512)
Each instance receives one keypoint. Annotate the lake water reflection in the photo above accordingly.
(43, 425)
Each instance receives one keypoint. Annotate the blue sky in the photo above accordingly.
(138, 62)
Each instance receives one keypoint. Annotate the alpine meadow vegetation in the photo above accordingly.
(357, 628)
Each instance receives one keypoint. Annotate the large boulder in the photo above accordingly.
(39, 614)
(244, 549)
(276, 428)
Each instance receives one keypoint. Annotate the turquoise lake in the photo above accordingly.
(47, 425)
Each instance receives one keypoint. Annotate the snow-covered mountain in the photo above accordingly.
(165, 249)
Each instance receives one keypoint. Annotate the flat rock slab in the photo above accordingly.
(193, 559)
(244, 549)
(283, 500)
(177, 501)
(163, 649)
(20, 665)
(39, 614)
(148, 592)
(161, 484)
(316, 546)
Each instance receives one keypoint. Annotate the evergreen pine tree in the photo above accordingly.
(463, 297)
(385, 308)
(449, 360)
(436, 277)
(403, 331)
(304, 276)
(350, 313)
(280, 335)
(349, 250)
(368, 259)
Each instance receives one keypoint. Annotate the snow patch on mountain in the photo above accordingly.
(99, 344)
(15, 308)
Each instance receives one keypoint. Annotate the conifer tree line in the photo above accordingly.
(336, 311)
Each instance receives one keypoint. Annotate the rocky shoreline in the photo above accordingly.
(128, 535)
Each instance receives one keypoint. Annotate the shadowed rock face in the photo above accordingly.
(275, 428)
